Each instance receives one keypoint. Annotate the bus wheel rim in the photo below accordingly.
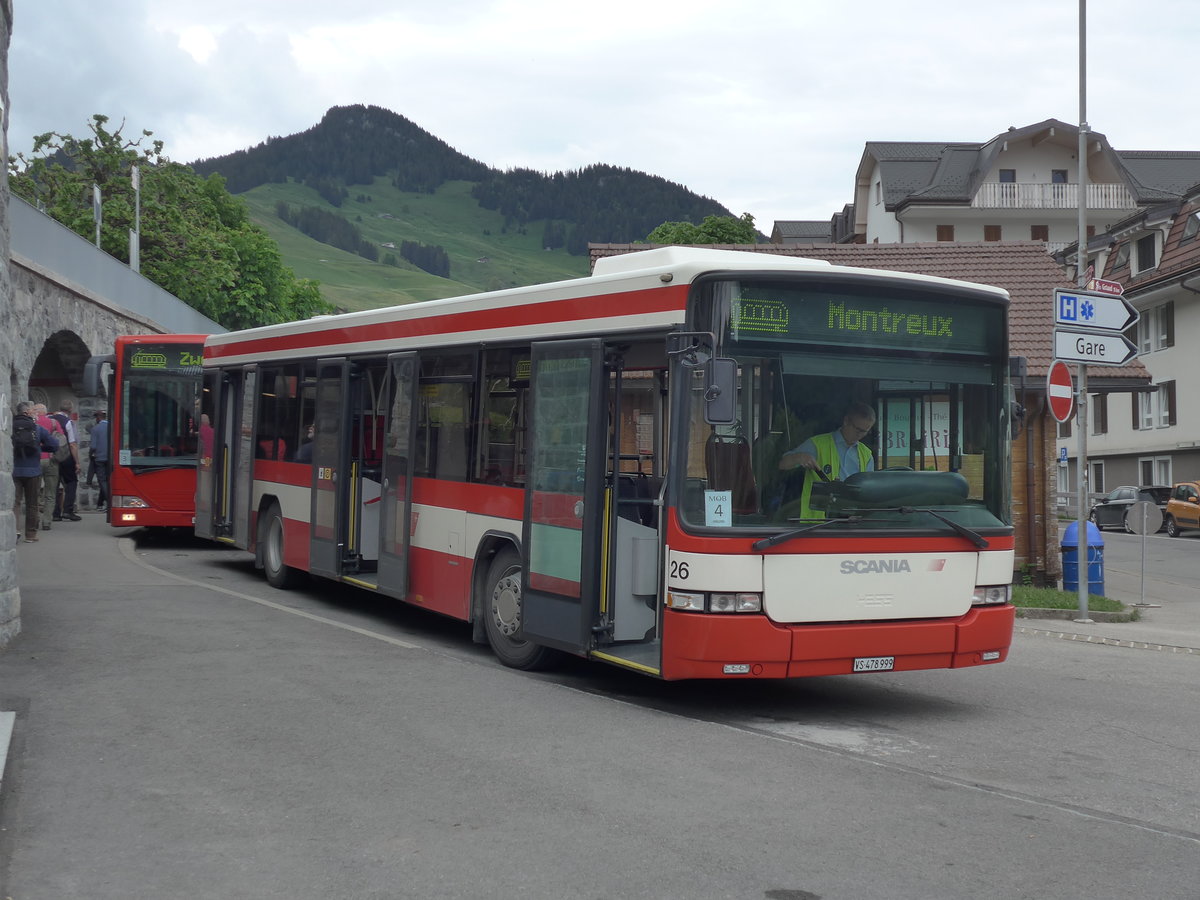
(506, 605)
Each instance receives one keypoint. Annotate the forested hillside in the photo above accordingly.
(354, 145)
(380, 211)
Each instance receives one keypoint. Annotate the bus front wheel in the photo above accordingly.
(502, 616)
(279, 574)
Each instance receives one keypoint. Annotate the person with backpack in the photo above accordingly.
(30, 440)
(68, 467)
(50, 462)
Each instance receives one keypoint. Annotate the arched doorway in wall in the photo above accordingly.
(58, 373)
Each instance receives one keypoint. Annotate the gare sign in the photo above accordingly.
(1095, 348)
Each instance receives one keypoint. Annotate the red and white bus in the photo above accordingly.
(154, 428)
(592, 466)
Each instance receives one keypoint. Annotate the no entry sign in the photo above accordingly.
(1060, 391)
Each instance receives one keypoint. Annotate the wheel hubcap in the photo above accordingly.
(506, 604)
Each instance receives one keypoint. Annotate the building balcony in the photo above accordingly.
(1008, 195)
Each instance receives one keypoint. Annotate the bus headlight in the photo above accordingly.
(714, 603)
(992, 595)
(735, 603)
(129, 502)
(685, 600)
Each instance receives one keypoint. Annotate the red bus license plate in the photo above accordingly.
(874, 663)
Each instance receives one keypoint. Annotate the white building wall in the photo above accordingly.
(882, 226)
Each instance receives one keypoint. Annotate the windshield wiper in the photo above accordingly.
(764, 543)
(973, 536)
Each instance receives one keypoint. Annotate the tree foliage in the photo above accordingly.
(197, 240)
(713, 230)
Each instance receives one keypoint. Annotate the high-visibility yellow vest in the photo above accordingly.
(829, 461)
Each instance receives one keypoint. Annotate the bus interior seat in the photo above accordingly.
(729, 468)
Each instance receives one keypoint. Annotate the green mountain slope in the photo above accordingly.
(484, 255)
(395, 182)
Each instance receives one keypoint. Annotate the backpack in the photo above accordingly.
(25, 438)
(62, 447)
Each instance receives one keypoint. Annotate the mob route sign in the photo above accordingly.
(1088, 326)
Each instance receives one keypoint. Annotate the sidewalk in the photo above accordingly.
(1170, 622)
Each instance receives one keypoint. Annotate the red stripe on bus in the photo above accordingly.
(625, 303)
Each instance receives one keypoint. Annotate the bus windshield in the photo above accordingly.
(893, 396)
(159, 402)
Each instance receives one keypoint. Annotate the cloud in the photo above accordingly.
(765, 108)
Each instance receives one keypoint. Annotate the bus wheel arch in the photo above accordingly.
(500, 610)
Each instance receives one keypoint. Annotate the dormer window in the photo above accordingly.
(1191, 229)
(1146, 257)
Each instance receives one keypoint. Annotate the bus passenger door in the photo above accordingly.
(207, 470)
(330, 478)
(564, 494)
(233, 457)
(396, 499)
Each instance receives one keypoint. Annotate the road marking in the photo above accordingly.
(1108, 642)
(127, 550)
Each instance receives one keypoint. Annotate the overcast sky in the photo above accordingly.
(763, 106)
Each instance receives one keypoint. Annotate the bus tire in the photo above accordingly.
(279, 574)
(502, 616)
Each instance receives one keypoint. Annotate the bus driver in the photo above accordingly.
(834, 456)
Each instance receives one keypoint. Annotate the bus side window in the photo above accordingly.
(501, 456)
(442, 434)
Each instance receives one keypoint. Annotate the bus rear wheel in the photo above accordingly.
(279, 574)
(502, 616)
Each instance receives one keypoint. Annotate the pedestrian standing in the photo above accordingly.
(99, 455)
(30, 440)
(49, 482)
(68, 469)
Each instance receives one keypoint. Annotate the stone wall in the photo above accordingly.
(10, 340)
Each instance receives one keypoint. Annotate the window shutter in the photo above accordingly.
(1101, 414)
(991, 232)
(1168, 327)
(1136, 405)
(1039, 232)
(945, 232)
(1168, 396)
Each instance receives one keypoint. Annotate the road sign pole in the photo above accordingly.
(1081, 258)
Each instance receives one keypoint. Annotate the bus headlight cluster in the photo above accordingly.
(992, 595)
(695, 601)
(130, 502)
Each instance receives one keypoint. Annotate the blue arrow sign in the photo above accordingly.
(1093, 311)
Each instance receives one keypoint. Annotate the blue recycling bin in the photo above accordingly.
(1093, 558)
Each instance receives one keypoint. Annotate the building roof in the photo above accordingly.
(1023, 268)
(800, 230)
(951, 172)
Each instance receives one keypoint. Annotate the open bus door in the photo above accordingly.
(564, 494)
(227, 489)
(396, 495)
(330, 478)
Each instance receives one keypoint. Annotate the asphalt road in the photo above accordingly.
(183, 730)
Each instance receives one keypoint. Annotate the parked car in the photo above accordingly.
(1183, 509)
(1113, 510)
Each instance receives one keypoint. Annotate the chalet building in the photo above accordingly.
(1152, 436)
(1030, 275)
(1021, 185)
